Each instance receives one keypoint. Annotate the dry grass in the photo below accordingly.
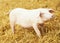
(52, 28)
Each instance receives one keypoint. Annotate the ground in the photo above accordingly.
(51, 28)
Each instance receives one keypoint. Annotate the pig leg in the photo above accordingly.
(12, 26)
(12, 23)
(36, 30)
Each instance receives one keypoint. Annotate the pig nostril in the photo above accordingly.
(53, 16)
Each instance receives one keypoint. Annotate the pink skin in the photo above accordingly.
(29, 18)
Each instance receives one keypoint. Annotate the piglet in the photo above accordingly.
(29, 18)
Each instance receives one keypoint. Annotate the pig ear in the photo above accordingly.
(51, 10)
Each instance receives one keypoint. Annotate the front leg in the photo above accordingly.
(36, 29)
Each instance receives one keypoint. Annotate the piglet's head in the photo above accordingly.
(46, 14)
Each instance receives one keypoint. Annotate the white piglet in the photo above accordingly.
(29, 18)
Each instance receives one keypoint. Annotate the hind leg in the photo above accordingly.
(12, 24)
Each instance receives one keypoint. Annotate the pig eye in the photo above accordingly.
(51, 11)
(41, 14)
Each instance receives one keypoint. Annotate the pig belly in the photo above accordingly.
(24, 22)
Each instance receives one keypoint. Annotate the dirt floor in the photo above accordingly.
(51, 28)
